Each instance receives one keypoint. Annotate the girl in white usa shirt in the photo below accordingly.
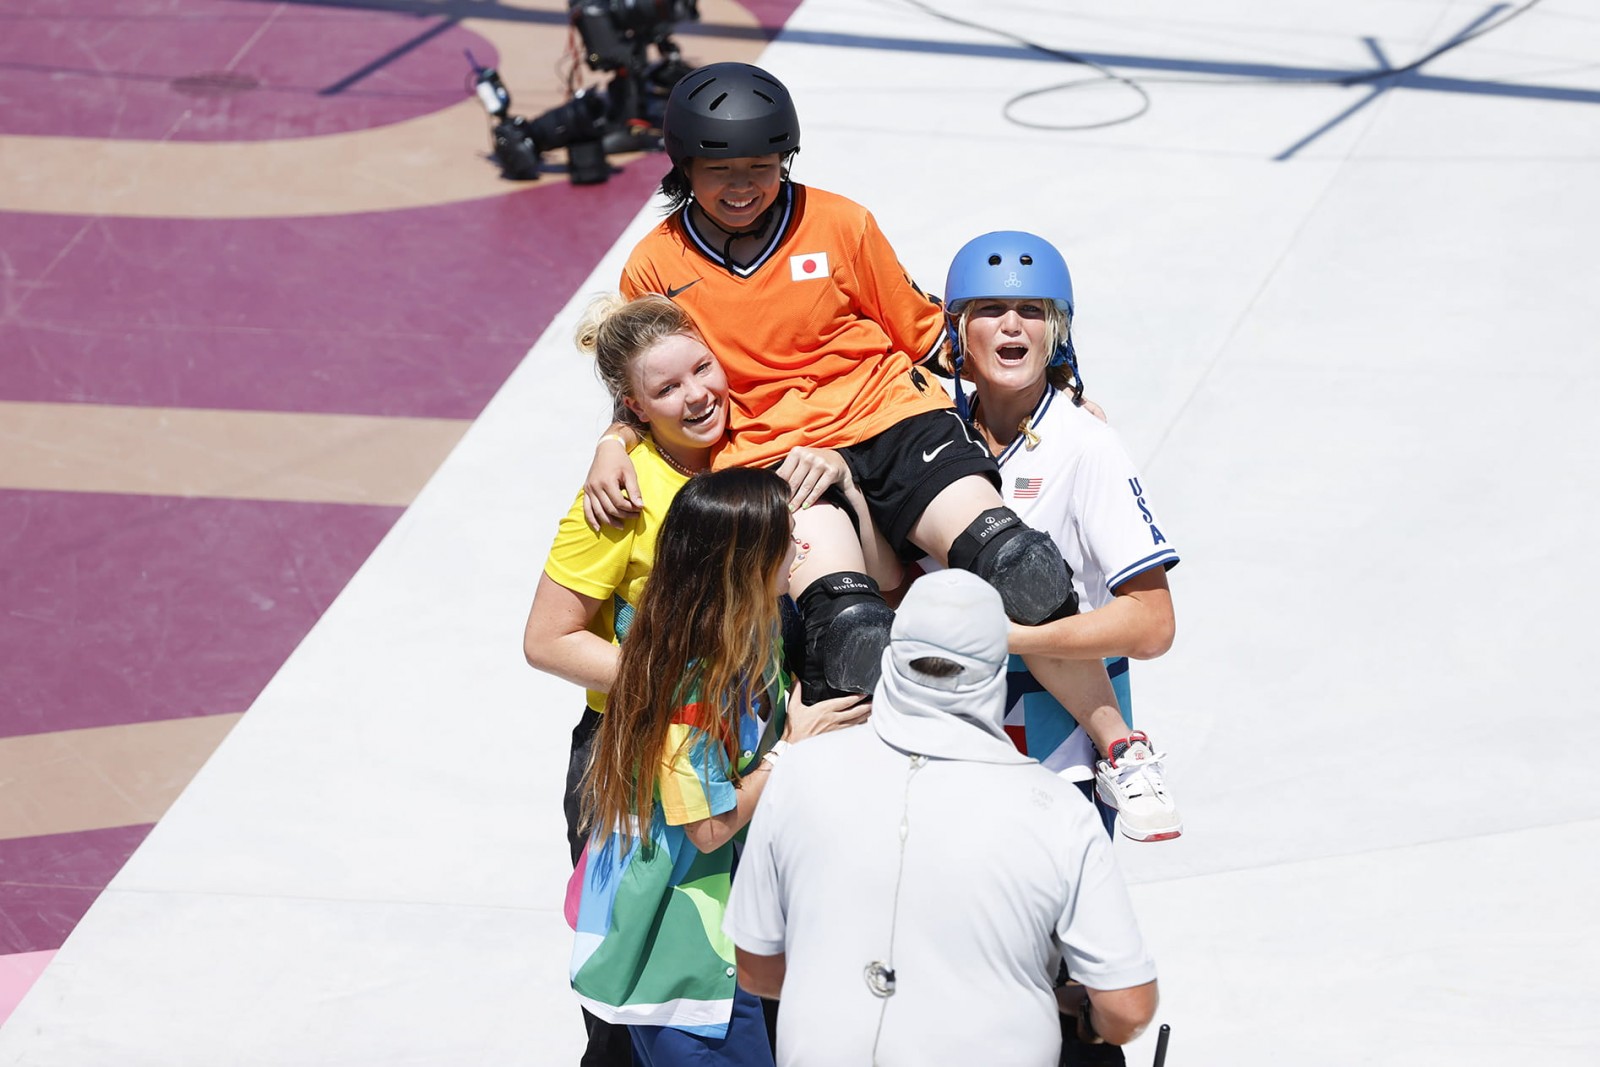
(1009, 300)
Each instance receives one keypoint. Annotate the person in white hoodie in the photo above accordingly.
(910, 886)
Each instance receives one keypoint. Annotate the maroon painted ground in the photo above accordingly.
(223, 70)
(47, 883)
(421, 312)
(124, 609)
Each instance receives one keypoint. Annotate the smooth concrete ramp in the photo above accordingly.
(1349, 331)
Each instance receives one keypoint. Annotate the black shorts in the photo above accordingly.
(903, 468)
(835, 496)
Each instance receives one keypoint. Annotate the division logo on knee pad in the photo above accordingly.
(847, 628)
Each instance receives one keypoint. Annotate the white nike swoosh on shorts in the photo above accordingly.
(927, 457)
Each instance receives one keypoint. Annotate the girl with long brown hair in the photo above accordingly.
(696, 720)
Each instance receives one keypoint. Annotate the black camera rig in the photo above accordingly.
(625, 116)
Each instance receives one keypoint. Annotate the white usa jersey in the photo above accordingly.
(1077, 483)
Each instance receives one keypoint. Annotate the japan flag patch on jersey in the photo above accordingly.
(807, 266)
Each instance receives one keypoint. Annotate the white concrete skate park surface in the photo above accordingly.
(1350, 334)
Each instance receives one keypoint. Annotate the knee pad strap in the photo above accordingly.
(982, 537)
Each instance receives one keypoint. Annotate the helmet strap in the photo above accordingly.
(755, 229)
(963, 407)
(734, 235)
(1069, 356)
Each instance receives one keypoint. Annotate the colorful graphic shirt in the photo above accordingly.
(1079, 485)
(611, 566)
(819, 336)
(649, 948)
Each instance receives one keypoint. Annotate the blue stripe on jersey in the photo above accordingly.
(1121, 687)
(1165, 558)
(1019, 683)
(1046, 723)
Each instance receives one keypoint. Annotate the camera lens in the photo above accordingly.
(514, 150)
(586, 163)
(583, 118)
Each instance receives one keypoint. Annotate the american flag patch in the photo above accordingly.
(1027, 488)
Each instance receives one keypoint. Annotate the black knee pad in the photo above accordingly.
(794, 637)
(847, 628)
(1023, 564)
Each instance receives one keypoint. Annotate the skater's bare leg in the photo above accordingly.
(1082, 687)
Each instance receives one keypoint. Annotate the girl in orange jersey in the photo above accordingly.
(825, 339)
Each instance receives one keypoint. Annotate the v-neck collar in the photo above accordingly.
(1033, 424)
(712, 249)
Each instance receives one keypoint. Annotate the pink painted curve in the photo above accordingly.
(18, 972)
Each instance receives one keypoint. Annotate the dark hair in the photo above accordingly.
(936, 666)
(706, 628)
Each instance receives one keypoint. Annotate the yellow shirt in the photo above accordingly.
(611, 566)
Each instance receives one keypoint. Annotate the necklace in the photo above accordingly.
(1030, 437)
(674, 464)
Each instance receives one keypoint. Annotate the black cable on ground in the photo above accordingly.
(1137, 85)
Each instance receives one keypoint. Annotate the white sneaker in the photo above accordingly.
(1130, 781)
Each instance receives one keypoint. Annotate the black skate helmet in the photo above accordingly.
(729, 111)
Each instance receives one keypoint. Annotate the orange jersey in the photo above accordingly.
(820, 336)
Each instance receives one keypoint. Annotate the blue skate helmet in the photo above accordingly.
(1013, 265)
